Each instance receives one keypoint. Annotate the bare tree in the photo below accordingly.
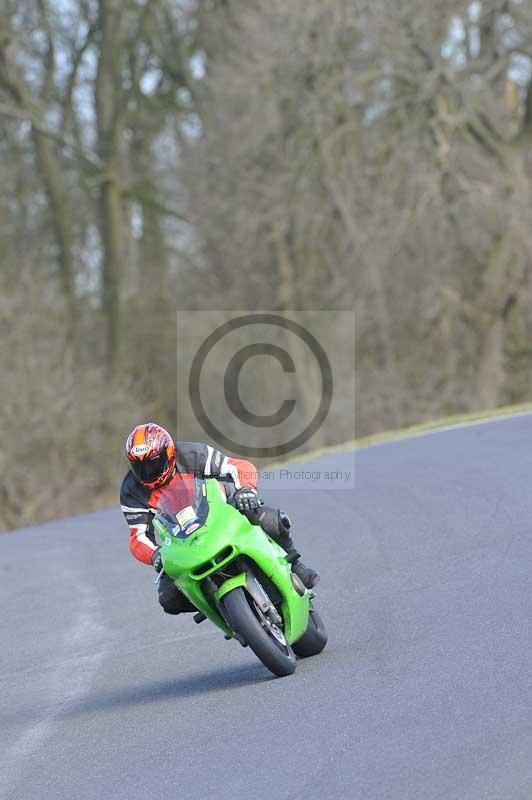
(305, 155)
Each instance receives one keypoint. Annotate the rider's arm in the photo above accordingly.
(204, 460)
(140, 544)
(139, 519)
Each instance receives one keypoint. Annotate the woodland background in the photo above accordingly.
(315, 154)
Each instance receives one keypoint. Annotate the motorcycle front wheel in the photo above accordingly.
(266, 639)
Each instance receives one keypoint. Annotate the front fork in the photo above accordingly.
(247, 581)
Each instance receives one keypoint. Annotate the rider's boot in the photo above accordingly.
(309, 576)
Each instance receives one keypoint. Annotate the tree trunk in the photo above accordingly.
(307, 387)
(61, 222)
(109, 109)
(13, 81)
(491, 367)
(111, 228)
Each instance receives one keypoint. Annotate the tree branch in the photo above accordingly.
(77, 58)
(90, 159)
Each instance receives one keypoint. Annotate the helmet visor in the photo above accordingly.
(150, 469)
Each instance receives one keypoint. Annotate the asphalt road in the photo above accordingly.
(423, 692)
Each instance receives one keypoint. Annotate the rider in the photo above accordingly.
(155, 461)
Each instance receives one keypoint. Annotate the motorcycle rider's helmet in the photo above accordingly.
(151, 453)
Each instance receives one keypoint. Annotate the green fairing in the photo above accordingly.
(229, 533)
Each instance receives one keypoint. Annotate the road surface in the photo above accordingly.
(424, 691)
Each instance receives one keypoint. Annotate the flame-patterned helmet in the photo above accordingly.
(151, 454)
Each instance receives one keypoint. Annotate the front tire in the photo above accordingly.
(314, 639)
(270, 647)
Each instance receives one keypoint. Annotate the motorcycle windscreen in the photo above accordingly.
(183, 506)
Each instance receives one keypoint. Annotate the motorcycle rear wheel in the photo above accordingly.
(314, 639)
(265, 639)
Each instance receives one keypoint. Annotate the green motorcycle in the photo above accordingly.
(236, 575)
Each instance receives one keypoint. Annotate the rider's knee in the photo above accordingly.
(275, 523)
(266, 517)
